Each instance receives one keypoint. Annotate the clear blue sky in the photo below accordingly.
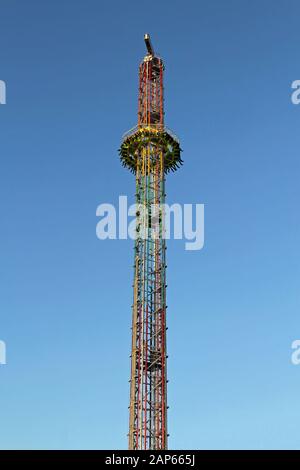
(71, 74)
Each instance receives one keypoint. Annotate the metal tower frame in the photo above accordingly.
(149, 150)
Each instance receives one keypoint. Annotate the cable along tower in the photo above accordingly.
(150, 151)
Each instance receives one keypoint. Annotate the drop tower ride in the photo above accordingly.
(150, 151)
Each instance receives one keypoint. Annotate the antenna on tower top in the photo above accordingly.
(148, 44)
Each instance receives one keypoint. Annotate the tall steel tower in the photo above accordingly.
(149, 150)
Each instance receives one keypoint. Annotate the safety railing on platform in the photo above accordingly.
(159, 127)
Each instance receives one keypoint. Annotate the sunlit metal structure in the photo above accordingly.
(149, 150)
